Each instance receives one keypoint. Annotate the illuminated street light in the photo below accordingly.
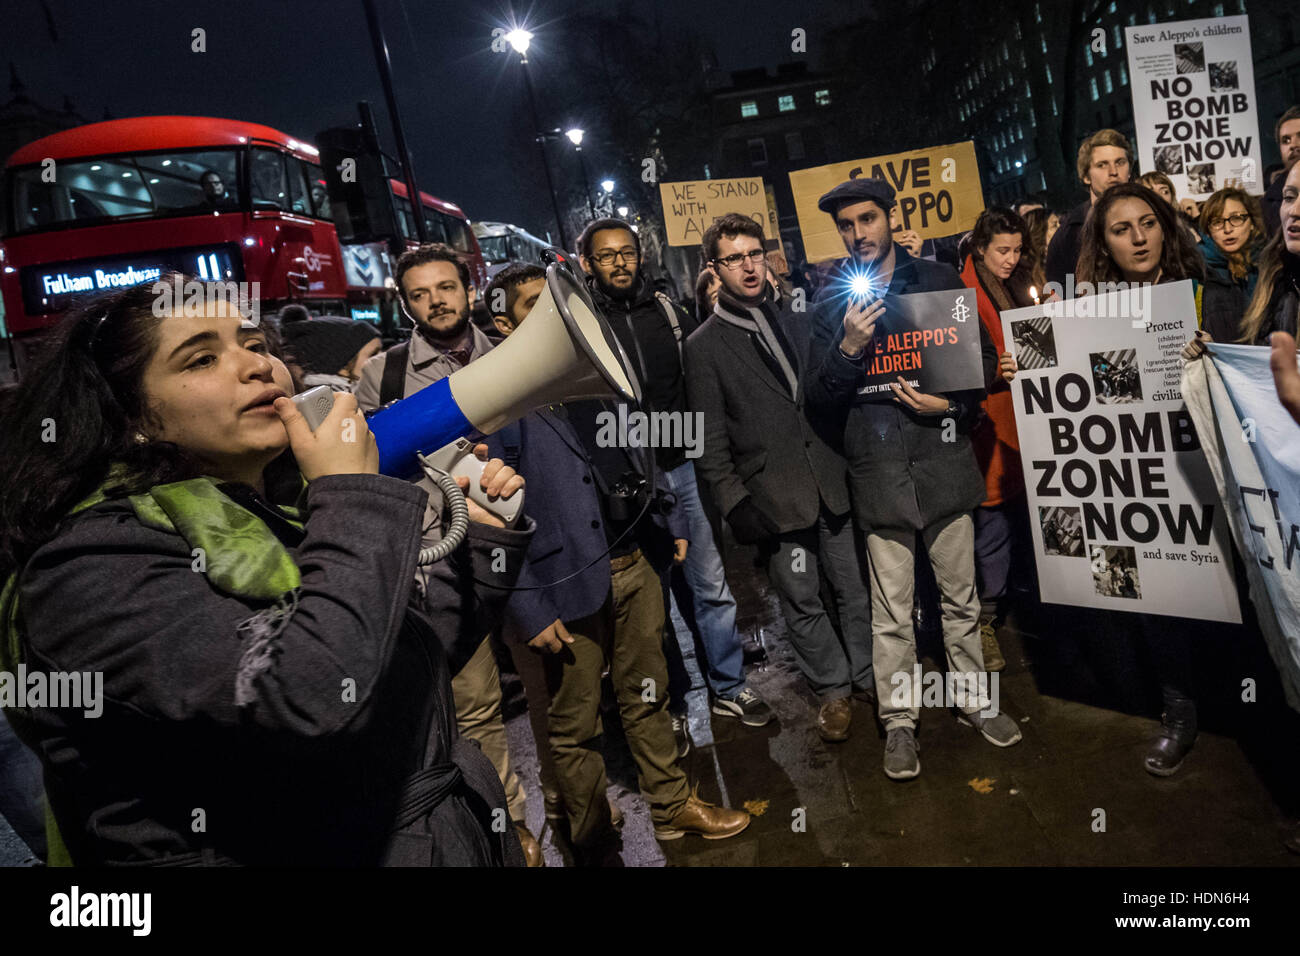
(622, 212)
(575, 136)
(607, 185)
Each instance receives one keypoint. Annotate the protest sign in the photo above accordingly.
(691, 207)
(1253, 449)
(937, 189)
(931, 339)
(1193, 86)
(1124, 511)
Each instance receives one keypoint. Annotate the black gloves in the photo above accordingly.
(749, 524)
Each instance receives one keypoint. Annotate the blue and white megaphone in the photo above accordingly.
(564, 351)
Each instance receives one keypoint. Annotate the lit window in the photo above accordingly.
(1218, 9)
(822, 97)
(1087, 55)
(1106, 78)
(1043, 40)
(785, 103)
(1123, 74)
(1047, 68)
(748, 108)
(1038, 14)
(1092, 87)
(1115, 32)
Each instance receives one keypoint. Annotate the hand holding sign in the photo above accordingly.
(918, 402)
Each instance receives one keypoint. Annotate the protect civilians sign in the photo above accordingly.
(1125, 515)
(691, 207)
(938, 192)
(1194, 104)
(930, 339)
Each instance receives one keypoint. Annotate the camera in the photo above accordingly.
(629, 495)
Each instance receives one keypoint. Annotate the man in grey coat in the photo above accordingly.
(774, 471)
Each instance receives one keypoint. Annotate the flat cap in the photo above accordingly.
(857, 190)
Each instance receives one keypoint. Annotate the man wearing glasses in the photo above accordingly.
(775, 471)
(651, 330)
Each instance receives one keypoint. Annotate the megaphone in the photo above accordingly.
(563, 351)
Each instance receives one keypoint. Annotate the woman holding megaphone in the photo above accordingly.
(241, 586)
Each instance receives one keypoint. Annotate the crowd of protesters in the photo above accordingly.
(319, 688)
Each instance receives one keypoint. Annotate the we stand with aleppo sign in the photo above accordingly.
(1125, 515)
(1194, 103)
(691, 207)
(931, 339)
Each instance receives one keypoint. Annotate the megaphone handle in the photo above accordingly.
(457, 459)
(459, 521)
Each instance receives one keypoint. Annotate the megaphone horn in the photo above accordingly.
(564, 350)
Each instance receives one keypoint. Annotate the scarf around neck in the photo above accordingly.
(759, 319)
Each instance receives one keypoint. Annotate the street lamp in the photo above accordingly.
(622, 212)
(519, 40)
(607, 185)
(575, 137)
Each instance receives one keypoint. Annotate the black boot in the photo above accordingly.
(1177, 734)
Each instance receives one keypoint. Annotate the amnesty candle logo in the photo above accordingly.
(75, 690)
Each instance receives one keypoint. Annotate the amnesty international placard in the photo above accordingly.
(1193, 87)
(929, 339)
(1125, 514)
(691, 207)
(937, 188)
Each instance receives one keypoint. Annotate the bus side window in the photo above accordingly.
(432, 223)
(456, 231)
(320, 197)
(299, 202)
(404, 217)
(266, 172)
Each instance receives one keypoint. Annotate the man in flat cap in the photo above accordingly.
(911, 472)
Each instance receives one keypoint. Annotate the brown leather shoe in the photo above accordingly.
(993, 659)
(710, 822)
(532, 849)
(833, 719)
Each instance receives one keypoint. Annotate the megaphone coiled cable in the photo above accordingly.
(459, 517)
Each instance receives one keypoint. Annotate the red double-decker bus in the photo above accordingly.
(120, 202)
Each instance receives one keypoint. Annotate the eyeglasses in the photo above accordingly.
(734, 261)
(1238, 219)
(607, 257)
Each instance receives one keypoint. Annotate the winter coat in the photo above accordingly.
(903, 473)
(1223, 299)
(271, 695)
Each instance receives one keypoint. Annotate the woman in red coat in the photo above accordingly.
(998, 269)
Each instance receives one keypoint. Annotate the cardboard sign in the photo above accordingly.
(937, 189)
(1193, 85)
(1124, 508)
(691, 207)
(930, 339)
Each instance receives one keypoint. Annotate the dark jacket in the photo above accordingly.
(902, 473)
(1063, 250)
(563, 498)
(350, 734)
(1223, 298)
(643, 330)
(760, 441)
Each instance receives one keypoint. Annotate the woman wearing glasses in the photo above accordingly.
(1234, 234)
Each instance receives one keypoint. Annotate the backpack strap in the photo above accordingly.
(392, 385)
(670, 313)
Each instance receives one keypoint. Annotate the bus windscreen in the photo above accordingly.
(97, 190)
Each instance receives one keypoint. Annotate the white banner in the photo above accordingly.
(1193, 86)
(1125, 513)
(1253, 449)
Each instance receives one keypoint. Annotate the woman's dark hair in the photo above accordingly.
(995, 221)
(1179, 257)
(77, 411)
(1037, 220)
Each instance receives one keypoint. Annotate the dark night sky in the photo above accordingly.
(301, 66)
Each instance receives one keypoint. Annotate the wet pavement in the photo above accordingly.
(1072, 792)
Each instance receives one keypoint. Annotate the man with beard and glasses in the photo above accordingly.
(434, 285)
(651, 330)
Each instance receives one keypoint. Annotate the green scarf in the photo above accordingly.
(239, 555)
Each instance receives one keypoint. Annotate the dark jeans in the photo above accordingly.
(832, 665)
(21, 789)
(1003, 550)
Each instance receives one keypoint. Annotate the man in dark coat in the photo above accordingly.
(591, 600)
(1105, 158)
(911, 472)
(774, 471)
